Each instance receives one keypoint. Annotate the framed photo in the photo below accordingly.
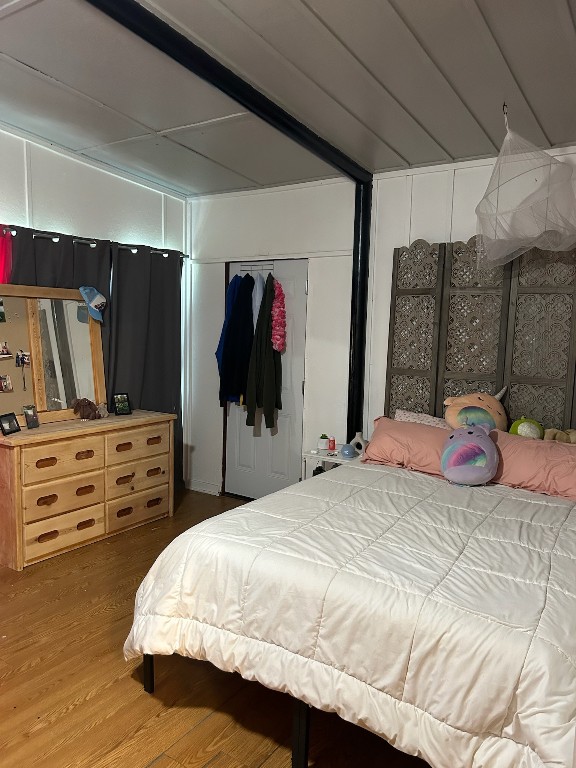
(9, 423)
(31, 416)
(121, 404)
(6, 384)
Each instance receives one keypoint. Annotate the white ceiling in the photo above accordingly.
(391, 83)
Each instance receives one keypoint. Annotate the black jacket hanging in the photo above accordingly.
(238, 344)
(265, 370)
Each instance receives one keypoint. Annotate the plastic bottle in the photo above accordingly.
(332, 443)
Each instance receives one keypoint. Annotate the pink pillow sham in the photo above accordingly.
(543, 466)
(406, 444)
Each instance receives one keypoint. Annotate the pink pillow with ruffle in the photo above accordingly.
(406, 444)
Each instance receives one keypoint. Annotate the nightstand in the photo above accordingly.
(321, 456)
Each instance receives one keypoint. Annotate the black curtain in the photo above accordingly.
(145, 359)
(141, 328)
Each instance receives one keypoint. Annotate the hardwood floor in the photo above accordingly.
(69, 700)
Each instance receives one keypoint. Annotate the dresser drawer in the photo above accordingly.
(137, 508)
(54, 498)
(125, 479)
(65, 457)
(132, 444)
(47, 537)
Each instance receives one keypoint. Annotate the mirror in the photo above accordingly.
(65, 340)
(50, 351)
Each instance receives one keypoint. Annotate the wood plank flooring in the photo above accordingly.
(69, 700)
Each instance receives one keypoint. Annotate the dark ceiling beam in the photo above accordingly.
(134, 17)
(161, 35)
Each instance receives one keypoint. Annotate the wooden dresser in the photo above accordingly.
(70, 483)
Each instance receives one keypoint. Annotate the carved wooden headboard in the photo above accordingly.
(454, 329)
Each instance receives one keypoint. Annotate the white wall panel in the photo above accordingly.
(12, 180)
(391, 229)
(469, 186)
(174, 223)
(73, 197)
(204, 418)
(327, 348)
(316, 218)
(431, 209)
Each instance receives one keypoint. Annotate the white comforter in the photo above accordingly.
(442, 618)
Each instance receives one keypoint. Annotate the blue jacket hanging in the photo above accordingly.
(237, 345)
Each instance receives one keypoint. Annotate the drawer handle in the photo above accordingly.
(154, 440)
(123, 447)
(47, 462)
(86, 524)
(84, 454)
(154, 471)
(48, 536)
(125, 479)
(45, 501)
(125, 512)
(84, 490)
(154, 502)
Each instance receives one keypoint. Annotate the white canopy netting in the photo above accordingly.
(529, 202)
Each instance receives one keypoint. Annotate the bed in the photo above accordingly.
(442, 618)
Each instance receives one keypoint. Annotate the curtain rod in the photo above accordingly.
(87, 241)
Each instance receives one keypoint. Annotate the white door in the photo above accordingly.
(261, 460)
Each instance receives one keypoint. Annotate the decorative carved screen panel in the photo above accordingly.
(473, 325)
(414, 324)
(455, 329)
(541, 343)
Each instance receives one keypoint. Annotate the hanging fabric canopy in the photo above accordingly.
(529, 202)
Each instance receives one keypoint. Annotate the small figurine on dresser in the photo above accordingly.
(86, 409)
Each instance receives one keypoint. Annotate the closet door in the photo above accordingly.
(541, 342)
(261, 460)
(414, 328)
(473, 325)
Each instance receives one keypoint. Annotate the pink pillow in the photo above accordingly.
(538, 465)
(406, 444)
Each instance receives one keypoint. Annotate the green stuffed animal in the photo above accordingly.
(527, 428)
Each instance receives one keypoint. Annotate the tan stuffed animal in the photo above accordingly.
(561, 436)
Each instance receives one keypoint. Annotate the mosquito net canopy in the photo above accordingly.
(529, 202)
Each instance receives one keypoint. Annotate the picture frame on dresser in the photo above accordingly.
(121, 404)
(31, 416)
(9, 423)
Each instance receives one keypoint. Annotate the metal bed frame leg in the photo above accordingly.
(148, 673)
(300, 734)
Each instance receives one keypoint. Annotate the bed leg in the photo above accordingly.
(300, 734)
(148, 673)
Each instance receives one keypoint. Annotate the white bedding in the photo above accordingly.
(442, 618)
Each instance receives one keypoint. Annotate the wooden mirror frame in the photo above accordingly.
(32, 293)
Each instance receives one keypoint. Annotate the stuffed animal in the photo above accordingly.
(527, 428)
(476, 409)
(568, 436)
(469, 456)
(86, 409)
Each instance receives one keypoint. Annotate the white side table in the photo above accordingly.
(322, 457)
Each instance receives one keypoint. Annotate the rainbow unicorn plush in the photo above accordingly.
(469, 456)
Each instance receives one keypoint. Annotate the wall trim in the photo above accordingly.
(198, 485)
